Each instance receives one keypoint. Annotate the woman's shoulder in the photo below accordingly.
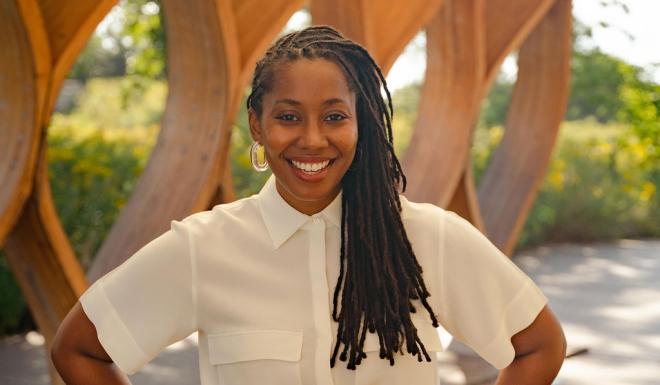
(428, 214)
(415, 211)
(243, 210)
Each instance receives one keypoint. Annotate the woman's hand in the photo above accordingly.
(540, 351)
(78, 355)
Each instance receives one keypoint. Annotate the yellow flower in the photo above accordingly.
(648, 189)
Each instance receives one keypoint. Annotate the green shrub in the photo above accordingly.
(92, 175)
(599, 185)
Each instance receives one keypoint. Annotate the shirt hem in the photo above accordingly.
(519, 314)
(112, 333)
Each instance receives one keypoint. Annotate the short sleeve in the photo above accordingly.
(486, 298)
(147, 302)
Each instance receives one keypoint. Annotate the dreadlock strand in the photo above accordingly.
(342, 258)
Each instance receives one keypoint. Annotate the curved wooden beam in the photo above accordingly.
(449, 102)
(508, 23)
(402, 20)
(46, 269)
(37, 249)
(538, 104)
(182, 173)
(383, 27)
(258, 23)
(348, 16)
(42, 58)
(19, 109)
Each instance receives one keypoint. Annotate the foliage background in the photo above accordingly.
(601, 183)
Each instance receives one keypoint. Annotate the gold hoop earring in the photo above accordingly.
(254, 156)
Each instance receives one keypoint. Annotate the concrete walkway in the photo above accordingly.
(607, 297)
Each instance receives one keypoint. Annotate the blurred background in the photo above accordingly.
(599, 198)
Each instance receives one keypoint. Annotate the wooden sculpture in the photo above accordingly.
(212, 46)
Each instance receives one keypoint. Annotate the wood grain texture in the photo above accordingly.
(258, 23)
(508, 23)
(449, 101)
(348, 16)
(38, 266)
(436, 161)
(19, 110)
(42, 58)
(184, 168)
(538, 104)
(383, 27)
(36, 247)
(52, 256)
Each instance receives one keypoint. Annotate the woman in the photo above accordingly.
(328, 261)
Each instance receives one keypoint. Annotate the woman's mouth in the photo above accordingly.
(312, 170)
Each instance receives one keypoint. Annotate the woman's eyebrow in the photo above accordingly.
(297, 103)
(334, 101)
(288, 101)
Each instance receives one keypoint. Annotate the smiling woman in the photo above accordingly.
(260, 278)
(316, 99)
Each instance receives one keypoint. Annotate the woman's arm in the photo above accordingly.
(540, 351)
(78, 355)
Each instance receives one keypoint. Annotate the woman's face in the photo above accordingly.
(308, 126)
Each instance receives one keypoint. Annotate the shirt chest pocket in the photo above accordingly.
(257, 357)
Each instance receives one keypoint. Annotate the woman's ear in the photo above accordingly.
(255, 125)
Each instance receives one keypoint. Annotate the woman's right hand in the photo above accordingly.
(78, 355)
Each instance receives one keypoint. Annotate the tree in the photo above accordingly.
(596, 81)
(132, 44)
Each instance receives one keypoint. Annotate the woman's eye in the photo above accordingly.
(335, 117)
(287, 117)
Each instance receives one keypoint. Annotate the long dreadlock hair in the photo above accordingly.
(379, 273)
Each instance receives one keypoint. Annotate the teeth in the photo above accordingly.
(311, 167)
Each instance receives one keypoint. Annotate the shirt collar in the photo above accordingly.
(282, 220)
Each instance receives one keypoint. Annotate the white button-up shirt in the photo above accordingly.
(256, 279)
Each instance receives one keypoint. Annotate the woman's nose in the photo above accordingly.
(313, 136)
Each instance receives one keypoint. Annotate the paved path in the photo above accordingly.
(608, 299)
(606, 295)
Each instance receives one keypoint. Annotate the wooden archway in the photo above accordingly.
(212, 46)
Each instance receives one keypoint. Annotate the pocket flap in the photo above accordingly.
(255, 345)
(426, 332)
